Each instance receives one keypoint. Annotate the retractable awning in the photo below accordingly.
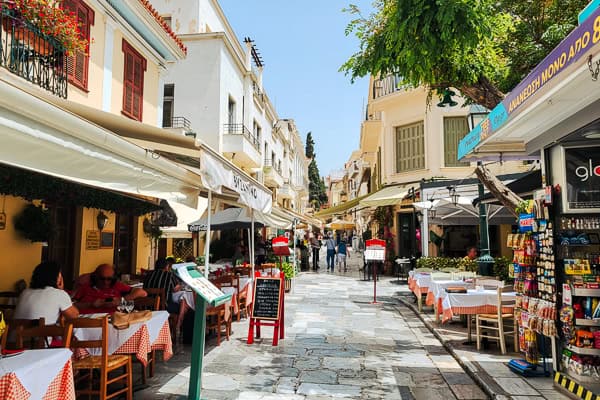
(340, 208)
(388, 196)
(40, 137)
(185, 216)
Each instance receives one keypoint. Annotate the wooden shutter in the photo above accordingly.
(133, 82)
(410, 148)
(455, 128)
(78, 63)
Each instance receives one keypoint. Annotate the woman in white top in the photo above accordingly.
(46, 297)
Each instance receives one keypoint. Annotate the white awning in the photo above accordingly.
(41, 137)
(388, 196)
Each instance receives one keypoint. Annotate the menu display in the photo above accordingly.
(199, 284)
(267, 298)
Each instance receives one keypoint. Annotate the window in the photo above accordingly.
(78, 63)
(231, 111)
(168, 105)
(410, 147)
(133, 82)
(455, 128)
(256, 130)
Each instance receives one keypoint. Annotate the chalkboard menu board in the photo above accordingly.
(266, 298)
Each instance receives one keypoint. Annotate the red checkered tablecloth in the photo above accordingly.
(61, 388)
(139, 344)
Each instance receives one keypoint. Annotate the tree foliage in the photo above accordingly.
(481, 47)
(316, 186)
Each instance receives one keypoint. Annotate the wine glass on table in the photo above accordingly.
(129, 306)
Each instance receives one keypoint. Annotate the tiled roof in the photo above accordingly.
(166, 27)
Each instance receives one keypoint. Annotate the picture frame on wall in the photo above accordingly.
(107, 239)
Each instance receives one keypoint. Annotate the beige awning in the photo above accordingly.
(40, 137)
(185, 215)
(340, 208)
(388, 196)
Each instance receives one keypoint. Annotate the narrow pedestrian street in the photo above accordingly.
(337, 345)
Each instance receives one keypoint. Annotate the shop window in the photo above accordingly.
(133, 82)
(410, 148)
(455, 128)
(78, 63)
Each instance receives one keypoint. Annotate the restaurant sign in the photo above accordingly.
(569, 51)
(216, 174)
(582, 166)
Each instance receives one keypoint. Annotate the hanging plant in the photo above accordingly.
(33, 223)
(152, 231)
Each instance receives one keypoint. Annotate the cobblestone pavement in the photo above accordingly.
(337, 345)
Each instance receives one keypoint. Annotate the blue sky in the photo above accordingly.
(303, 45)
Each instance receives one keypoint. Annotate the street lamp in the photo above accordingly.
(453, 195)
(101, 220)
(447, 101)
(477, 114)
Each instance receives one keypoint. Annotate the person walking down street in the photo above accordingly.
(315, 245)
(342, 253)
(330, 243)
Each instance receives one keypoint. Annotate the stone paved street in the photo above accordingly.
(337, 345)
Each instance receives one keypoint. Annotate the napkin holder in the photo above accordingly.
(123, 321)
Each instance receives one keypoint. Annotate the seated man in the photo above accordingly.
(163, 278)
(104, 292)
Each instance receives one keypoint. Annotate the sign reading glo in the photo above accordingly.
(586, 172)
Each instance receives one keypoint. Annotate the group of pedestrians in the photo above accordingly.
(339, 250)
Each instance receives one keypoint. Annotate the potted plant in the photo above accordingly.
(34, 224)
(48, 20)
(289, 273)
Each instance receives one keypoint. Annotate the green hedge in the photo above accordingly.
(500, 265)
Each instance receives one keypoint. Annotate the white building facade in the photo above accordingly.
(217, 93)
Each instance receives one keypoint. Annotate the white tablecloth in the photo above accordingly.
(473, 299)
(116, 337)
(439, 287)
(36, 369)
(423, 280)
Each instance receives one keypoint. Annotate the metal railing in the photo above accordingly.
(241, 129)
(257, 92)
(274, 165)
(27, 52)
(178, 123)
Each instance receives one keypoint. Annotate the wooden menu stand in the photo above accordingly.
(267, 307)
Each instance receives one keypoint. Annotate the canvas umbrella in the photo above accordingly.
(338, 224)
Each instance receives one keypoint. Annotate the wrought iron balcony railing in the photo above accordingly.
(178, 123)
(241, 129)
(27, 52)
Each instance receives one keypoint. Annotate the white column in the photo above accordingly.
(161, 94)
(109, 46)
(425, 233)
(207, 241)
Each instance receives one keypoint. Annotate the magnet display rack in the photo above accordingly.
(578, 248)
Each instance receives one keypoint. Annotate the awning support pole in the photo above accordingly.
(485, 261)
(207, 241)
(251, 251)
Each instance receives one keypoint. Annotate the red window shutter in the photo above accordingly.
(133, 82)
(78, 64)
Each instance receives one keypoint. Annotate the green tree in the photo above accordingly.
(316, 185)
(481, 47)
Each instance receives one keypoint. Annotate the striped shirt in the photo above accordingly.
(161, 279)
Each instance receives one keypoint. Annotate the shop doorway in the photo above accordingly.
(406, 232)
(61, 246)
(124, 244)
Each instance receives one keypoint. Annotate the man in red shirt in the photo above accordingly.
(104, 292)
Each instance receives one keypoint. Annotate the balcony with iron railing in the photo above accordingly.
(180, 125)
(241, 129)
(34, 56)
(258, 93)
(272, 174)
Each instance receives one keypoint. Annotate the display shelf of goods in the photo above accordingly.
(586, 292)
(587, 322)
(583, 350)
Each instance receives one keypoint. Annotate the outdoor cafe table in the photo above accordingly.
(437, 289)
(419, 284)
(44, 374)
(473, 302)
(139, 339)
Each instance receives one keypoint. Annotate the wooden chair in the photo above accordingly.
(147, 303)
(488, 282)
(158, 292)
(104, 362)
(17, 324)
(8, 304)
(215, 319)
(495, 322)
(37, 337)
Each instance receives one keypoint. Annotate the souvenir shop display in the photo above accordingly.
(579, 249)
(533, 270)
